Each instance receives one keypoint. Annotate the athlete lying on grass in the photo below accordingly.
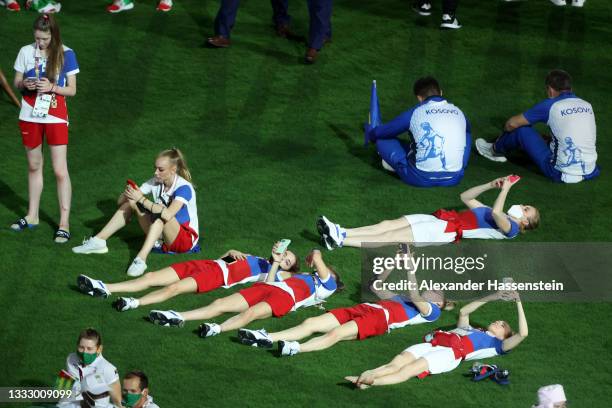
(232, 268)
(443, 351)
(442, 227)
(262, 300)
(357, 322)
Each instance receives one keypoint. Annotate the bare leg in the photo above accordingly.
(392, 367)
(403, 234)
(348, 331)
(35, 182)
(163, 277)
(231, 303)
(187, 285)
(319, 324)
(259, 311)
(64, 187)
(376, 229)
(404, 374)
(154, 232)
(118, 221)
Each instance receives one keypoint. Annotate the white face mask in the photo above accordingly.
(516, 211)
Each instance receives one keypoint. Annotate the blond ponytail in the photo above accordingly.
(176, 158)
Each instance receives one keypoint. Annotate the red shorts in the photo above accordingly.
(371, 321)
(32, 133)
(280, 301)
(207, 274)
(183, 241)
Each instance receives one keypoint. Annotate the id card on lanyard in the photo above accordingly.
(43, 101)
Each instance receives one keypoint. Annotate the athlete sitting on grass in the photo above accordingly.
(262, 300)
(171, 214)
(441, 227)
(232, 268)
(356, 322)
(444, 351)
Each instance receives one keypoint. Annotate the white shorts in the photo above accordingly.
(439, 359)
(427, 229)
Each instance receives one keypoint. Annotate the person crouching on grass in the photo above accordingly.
(262, 300)
(199, 276)
(171, 214)
(444, 351)
(357, 322)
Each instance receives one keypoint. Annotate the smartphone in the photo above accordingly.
(132, 184)
(34, 79)
(404, 248)
(228, 259)
(513, 178)
(282, 246)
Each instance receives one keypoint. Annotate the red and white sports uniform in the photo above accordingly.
(210, 275)
(473, 344)
(187, 216)
(375, 319)
(444, 226)
(94, 379)
(300, 290)
(55, 125)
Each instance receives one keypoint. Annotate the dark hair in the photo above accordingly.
(142, 377)
(339, 283)
(559, 80)
(296, 266)
(55, 52)
(426, 87)
(90, 334)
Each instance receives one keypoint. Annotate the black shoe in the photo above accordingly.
(119, 304)
(423, 9)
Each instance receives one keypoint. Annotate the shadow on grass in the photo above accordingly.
(16, 204)
(310, 236)
(353, 148)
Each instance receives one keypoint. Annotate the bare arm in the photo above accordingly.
(515, 122)
(235, 254)
(523, 330)
(382, 293)
(469, 196)
(464, 313)
(115, 393)
(23, 84)
(501, 219)
(276, 258)
(317, 263)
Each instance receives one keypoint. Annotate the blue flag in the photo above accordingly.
(374, 119)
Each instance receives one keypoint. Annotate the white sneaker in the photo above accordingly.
(558, 2)
(50, 7)
(331, 230)
(92, 245)
(137, 267)
(387, 166)
(450, 22)
(288, 348)
(578, 3)
(486, 150)
(209, 329)
(125, 303)
(255, 338)
(92, 287)
(168, 318)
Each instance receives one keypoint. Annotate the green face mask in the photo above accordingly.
(87, 358)
(131, 399)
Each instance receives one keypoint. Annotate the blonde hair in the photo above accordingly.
(532, 222)
(55, 54)
(177, 159)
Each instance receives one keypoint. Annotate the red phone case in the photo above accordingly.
(514, 178)
(132, 183)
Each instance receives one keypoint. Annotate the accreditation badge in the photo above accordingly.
(42, 105)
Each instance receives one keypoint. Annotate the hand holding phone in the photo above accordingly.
(282, 246)
(513, 178)
(132, 184)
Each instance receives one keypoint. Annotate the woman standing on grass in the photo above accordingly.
(444, 351)
(45, 72)
(442, 227)
(171, 213)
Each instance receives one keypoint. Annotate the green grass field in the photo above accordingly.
(273, 143)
